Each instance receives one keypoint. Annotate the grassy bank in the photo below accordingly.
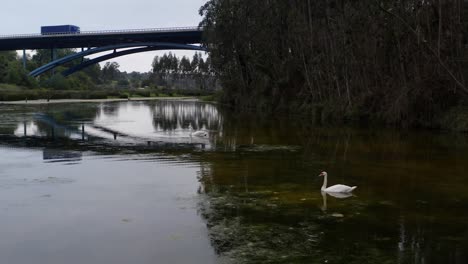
(15, 93)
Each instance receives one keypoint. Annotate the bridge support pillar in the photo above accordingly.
(24, 59)
(53, 54)
(53, 57)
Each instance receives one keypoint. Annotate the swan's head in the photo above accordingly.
(323, 173)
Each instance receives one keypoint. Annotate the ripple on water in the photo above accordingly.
(53, 180)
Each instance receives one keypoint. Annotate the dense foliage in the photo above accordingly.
(11, 70)
(395, 61)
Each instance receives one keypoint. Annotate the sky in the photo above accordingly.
(27, 16)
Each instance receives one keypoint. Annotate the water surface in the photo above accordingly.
(125, 182)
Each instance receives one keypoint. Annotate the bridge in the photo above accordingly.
(121, 42)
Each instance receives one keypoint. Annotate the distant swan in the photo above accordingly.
(339, 188)
(199, 133)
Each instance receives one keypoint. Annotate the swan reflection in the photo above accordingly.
(336, 195)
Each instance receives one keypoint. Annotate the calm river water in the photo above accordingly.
(126, 183)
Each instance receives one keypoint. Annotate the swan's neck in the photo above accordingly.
(324, 186)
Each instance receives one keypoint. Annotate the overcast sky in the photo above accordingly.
(27, 16)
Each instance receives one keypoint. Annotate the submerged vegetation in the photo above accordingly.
(397, 62)
(264, 224)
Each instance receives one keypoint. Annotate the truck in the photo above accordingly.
(60, 29)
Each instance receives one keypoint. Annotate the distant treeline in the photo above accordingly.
(195, 73)
(168, 72)
(399, 62)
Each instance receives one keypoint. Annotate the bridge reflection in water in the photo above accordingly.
(139, 123)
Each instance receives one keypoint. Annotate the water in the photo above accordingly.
(126, 183)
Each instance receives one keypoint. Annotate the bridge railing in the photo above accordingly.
(103, 32)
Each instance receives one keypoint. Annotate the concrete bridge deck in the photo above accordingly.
(89, 39)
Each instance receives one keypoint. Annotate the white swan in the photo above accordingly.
(199, 133)
(339, 188)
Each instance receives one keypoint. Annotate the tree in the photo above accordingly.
(398, 61)
(185, 66)
(110, 71)
(4, 63)
(195, 62)
(11, 70)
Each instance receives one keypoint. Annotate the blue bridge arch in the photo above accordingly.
(134, 48)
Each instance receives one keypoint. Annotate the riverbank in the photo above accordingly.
(17, 94)
(62, 101)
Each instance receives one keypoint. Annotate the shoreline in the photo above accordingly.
(60, 101)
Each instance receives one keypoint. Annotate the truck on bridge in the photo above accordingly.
(61, 29)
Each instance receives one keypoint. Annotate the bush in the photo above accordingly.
(20, 94)
(97, 95)
(142, 93)
(12, 96)
(123, 96)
